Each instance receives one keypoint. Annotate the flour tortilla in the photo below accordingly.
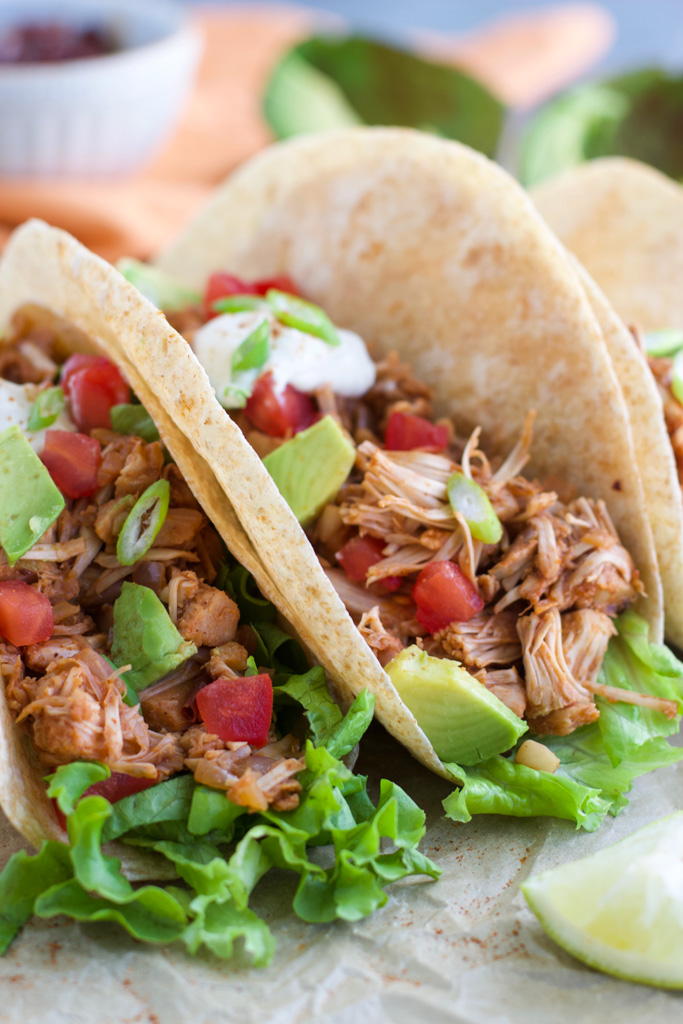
(624, 222)
(426, 247)
(422, 246)
(48, 267)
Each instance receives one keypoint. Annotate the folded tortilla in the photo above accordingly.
(624, 222)
(424, 247)
(48, 267)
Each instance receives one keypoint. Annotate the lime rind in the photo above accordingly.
(620, 911)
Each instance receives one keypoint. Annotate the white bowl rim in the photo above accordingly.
(183, 27)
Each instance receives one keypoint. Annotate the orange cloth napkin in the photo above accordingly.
(222, 123)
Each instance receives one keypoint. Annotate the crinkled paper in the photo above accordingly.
(463, 950)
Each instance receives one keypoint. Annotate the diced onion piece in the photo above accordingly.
(538, 756)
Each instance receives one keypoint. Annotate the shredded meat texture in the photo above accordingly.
(255, 779)
(76, 711)
(486, 639)
(557, 702)
(555, 561)
(507, 685)
(228, 660)
(383, 644)
(62, 691)
(208, 617)
(395, 389)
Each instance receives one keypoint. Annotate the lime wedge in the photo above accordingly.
(621, 910)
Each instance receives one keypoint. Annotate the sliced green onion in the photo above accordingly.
(295, 312)
(46, 408)
(234, 396)
(254, 350)
(238, 303)
(143, 523)
(663, 343)
(677, 382)
(472, 502)
(135, 420)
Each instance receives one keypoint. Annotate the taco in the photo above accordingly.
(143, 673)
(364, 303)
(624, 222)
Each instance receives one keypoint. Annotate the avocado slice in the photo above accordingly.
(30, 501)
(145, 637)
(157, 286)
(463, 721)
(310, 469)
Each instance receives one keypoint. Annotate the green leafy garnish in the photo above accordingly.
(46, 408)
(677, 377)
(327, 82)
(221, 851)
(254, 350)
(235, 396)
(304, 316)
(598, 762)
(70, 781)
(143, 523)
(472, 502)
(134, 420)
(238, 303)
(156, 285)
(636, 115)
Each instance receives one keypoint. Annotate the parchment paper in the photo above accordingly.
(464, 949)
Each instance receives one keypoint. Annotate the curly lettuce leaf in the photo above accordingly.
(633, 663)
(221, 851)
(23, 879)
(68, 784)
(150, 914)
(599, 762)
(499, 786)
(219, 924)
(166, 802)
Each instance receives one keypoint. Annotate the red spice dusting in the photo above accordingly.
(54, 948)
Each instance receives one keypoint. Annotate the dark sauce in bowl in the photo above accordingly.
(51, 42)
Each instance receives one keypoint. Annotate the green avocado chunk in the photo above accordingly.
(157, 286)
(310, 469)
(30, 501)
(463, 720)
(145, 637)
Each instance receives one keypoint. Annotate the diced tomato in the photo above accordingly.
(281, 283)
(359, 554)
(118, 785)
(221, 286)
(238, 709)
(443, 594)
(93, 385)
(405, 432)
(72, 461)
(25, 614)
(278, 414)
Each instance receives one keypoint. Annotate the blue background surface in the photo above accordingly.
(649, 31)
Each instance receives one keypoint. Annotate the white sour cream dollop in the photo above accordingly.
(296, 358)
(16, 402)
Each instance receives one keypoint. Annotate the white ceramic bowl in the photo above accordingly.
(101, 116)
